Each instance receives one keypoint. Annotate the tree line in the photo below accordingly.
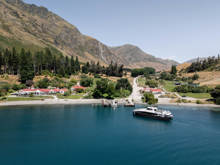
(111, 70)
(142, 71)
(27, 64)
(201, 65)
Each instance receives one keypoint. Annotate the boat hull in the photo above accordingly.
(129, 105)
(153, 116)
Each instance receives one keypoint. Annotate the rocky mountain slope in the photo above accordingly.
(134, 57)
(33, 27)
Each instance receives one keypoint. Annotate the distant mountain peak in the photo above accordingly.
(136, 58)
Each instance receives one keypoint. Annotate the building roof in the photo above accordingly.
(152, 90)
(78, 87)
(156, 90)
(45, 90)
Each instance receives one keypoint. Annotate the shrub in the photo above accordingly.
(68, 93)
(79, 90)
(86, 82)
(57, 82)
(198, 102)
(44, 83)
(73, 81)
(29, 83)
(184, 101)
(149, 98)
(3, 92)
(195, 76)
(97, 76)
(5, 87)
(151, 83)
(16, 87)
(123, 83)
(101, 89)
(167, 76)
(190, 88)
(4, 98)
(217, 101)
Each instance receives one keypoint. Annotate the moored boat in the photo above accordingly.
(153, 112)
(129, 103)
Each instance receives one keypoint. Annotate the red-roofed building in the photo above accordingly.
(153, 90)
(41, 91)
(77, 87)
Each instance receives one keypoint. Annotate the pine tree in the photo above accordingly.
(15, 61)
(173, 70)
(26, 67)
(77, 65)
(72, 63)
(1, 62)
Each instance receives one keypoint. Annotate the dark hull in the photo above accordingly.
(129, 105)
(152, 116)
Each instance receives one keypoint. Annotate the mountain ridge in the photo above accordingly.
(130, 53)
(30, 24)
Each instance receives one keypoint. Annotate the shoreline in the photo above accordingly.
(52, 102)
(91, 101)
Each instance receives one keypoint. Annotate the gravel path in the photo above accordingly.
(136, 95)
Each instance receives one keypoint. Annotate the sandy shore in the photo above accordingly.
(166, 101)
(92, 101)
(52, 102)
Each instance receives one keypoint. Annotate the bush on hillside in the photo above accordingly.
(86, 82)
(44, 83)
(217, 100)
(152, 83)
(123, 83)
(150, 99)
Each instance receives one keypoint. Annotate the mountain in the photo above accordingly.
(134, 57)
(196, 59)
(34, 28)
(32, 25)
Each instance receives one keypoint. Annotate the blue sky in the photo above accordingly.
(174, 29)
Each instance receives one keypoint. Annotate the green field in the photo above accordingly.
(197, 95)
(168, 85)
(77, 96)
(27, 98)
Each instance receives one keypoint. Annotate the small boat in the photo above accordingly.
(114, 104)
(129, 103)
(153, 112)
(108, 103)
(105, 103)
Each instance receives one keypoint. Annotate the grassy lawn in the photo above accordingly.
(197, 95)
(27, 98)
(77, 96)
(141, 81)
(169, 86)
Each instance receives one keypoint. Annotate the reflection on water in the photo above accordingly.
(85, 134)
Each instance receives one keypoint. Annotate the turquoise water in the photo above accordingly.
(85, 135)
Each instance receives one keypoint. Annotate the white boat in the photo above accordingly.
(153, 112)
(114, 104)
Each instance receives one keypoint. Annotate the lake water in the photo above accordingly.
(86, 134)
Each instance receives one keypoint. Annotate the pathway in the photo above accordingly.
(136, 95)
